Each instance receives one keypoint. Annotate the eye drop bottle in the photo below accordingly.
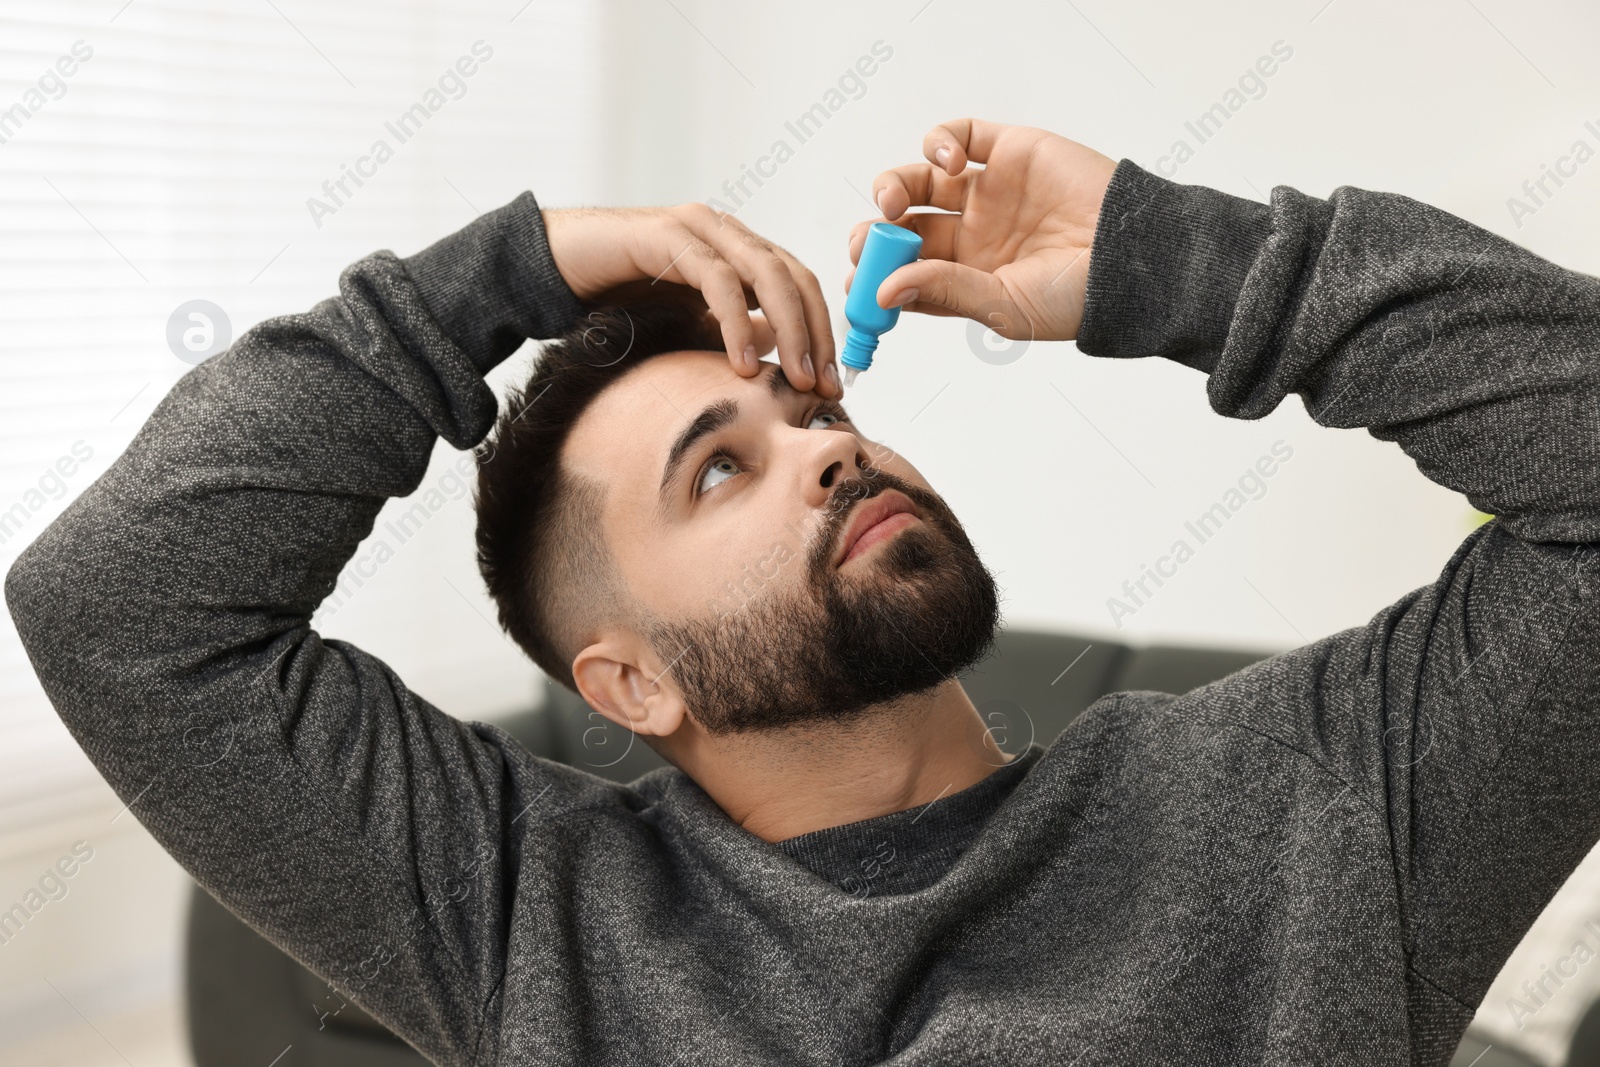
(887, 249)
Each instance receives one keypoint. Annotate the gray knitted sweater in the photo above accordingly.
(1324, 858)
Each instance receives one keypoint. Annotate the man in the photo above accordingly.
(1324, 858)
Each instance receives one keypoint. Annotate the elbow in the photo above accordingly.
(25, 582)
(46, 601)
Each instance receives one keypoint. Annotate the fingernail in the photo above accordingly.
(750, 356)
(805, 361)
(877, 198)
(942, 154)
(904, 296)
(832, 373)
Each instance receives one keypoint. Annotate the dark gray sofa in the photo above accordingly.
(247, 1001)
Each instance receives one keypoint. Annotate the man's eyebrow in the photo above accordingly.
(778, 383)
(712, 418)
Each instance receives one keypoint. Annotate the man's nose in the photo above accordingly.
(837, 459)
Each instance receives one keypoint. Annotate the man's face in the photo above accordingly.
(728, 503)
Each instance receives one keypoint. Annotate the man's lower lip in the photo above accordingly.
(881, 531)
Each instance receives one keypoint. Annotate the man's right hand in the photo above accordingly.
(1015, 256)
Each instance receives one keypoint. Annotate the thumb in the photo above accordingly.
(960, 289)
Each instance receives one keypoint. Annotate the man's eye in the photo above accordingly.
(831, 409)
(715, 466)
(720, 461)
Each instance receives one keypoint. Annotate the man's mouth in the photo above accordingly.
(875, 520)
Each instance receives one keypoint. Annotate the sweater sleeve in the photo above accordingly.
(1466, 716)
(167, 614)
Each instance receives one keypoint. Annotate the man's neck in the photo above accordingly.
(784, 783)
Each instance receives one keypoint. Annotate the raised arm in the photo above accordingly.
(1468, 713)
(1466, 716)
(167, 610)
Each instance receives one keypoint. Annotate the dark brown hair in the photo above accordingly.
(541, 547)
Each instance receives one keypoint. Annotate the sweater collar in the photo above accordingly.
(907, 850)
(901, 852)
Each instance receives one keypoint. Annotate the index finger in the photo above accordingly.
(963, 139)
(816, 312)
(899, 189)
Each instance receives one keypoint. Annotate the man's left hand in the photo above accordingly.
(732, 268)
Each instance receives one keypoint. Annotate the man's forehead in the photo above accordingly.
(665, 385)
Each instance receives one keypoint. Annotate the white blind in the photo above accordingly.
(170, 158)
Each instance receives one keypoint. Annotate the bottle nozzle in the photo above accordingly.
(857, 353)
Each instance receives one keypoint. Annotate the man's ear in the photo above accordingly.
(622, 678)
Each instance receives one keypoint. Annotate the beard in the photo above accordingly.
(917, 610)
